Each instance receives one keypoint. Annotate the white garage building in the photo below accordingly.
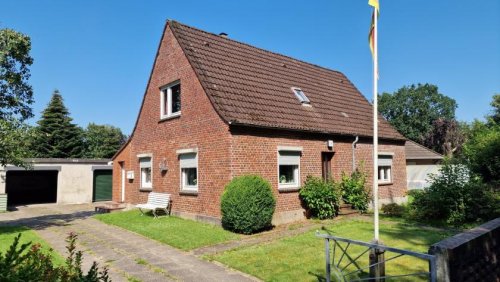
(62, 181)
(420, 162)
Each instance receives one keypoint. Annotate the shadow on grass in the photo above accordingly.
(12, 230)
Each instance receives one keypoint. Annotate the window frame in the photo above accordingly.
(301, 96)
(384, 168)
(183, 175)
(144, 186)
(289, 186)
(166, 100)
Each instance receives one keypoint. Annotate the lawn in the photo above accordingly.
(180, 233)
(8, 233)
(301, 257)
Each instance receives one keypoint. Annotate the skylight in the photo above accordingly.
(300, 95)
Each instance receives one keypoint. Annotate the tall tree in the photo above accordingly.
(494, 118)
(16, 96)
(102, 141)
(445, 137)
(412, 110)
(57, 136)
(482, 149)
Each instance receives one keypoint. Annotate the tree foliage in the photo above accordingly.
(455, 196)
(482, 149)
(412, 110)
(102, 141)
(494, 118)
(16, 96)
(57, 136)
(15, 139)
(445, 137)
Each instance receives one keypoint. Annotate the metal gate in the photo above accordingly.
(345, 265)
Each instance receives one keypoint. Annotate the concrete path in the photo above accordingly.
(129, 256)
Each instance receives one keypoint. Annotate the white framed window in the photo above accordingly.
(189, 171)
(171, 100)
(288, 169)
(384, 168)
(146, 173)
(301, 96)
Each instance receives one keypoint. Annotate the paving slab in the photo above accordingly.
(127, 255)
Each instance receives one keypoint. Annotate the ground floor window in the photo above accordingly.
(189, 171)
(288, 169)
(146, 173)
(385, 168)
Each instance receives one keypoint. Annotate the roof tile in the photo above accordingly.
(252, 86)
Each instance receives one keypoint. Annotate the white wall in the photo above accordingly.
(418, 174)
(74, 184)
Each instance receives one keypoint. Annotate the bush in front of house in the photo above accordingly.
(354, 191)
(27, 262)
(321, 198)
(247, 204)
(393, 209)
(454, 196)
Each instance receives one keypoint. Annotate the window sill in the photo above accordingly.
(385, 183)
(145, 189)
(288, 189)
(189, 192)
(164, 118)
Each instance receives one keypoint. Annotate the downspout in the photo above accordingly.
(353, 155)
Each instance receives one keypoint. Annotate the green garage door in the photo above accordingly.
(102, 185)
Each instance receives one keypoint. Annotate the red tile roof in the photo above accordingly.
(414, 151)
(252, 86)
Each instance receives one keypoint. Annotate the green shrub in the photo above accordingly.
(454, 197)
(28, 263)
(393, 209)
(354, 191)
(320, 197)
(247, 204)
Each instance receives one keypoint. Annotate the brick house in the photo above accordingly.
(215, 108)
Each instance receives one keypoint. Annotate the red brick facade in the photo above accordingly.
(224, 151)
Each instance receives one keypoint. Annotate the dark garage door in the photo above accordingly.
(31, 187)
(102, 185)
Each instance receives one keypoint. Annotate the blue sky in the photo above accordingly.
(99, 53)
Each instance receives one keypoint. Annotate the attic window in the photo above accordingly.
(301, 96)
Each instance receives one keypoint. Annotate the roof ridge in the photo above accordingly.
(255, 47)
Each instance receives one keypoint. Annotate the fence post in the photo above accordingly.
(377, 264)
(327, 255)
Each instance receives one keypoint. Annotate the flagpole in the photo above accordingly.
(375, 128)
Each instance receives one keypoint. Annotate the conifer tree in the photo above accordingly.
(57, 136)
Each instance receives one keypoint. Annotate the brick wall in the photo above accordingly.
(254, 151)
(198, 126)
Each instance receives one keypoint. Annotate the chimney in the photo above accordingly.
(223, 34)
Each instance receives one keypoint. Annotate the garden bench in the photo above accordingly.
(156, 201)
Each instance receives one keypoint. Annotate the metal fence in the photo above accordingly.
(342, 248)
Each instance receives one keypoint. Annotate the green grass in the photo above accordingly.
(301, 257)
(8, 233)
(180, 233)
